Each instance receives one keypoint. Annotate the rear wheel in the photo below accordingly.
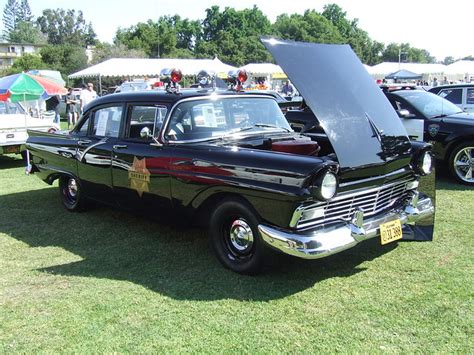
(71, 194)
(235, 237)
(461, 163)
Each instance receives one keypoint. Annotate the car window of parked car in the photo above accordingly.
(470, 97)
(84, 126)
(214, 118)
(453, 95)
(107, 121)
(141, 116)
(9, 108)
(430, 105)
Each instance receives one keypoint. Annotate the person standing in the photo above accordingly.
(87, 95)
(52, 104)
(71, 108)
(288, 89)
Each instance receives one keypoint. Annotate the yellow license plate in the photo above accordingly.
(390, 231)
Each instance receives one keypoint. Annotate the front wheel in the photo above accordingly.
(71, 194)
(461, 163)
(235, 237)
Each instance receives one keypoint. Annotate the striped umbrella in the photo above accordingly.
(26, 87)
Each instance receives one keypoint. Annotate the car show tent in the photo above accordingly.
(141, 67)
(461, 70)
(427, 70)
(403, 75)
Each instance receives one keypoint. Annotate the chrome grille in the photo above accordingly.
(371, 201)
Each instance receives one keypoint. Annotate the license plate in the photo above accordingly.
(390, 231)
(11, 149)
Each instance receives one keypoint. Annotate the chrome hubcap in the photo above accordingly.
(72, 188)
(241, 236)
(464, 164)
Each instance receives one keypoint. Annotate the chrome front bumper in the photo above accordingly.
(321, 242)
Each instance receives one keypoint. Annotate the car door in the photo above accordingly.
(469, 101)
(94, 151)
(139, 164)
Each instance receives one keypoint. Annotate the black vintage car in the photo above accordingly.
(231, 159)
(445, 125)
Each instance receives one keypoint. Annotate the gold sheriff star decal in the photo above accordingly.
(139, 176)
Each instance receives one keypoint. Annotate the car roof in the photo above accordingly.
(164, 96)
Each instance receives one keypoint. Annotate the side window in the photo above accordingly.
(107, 121)
(470, 97)
(145, 116)
(84, 127)
(453, 95)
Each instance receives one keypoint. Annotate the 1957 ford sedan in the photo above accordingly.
(231, 159)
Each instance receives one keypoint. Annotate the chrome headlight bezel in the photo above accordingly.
(425, 163)
(325, 186)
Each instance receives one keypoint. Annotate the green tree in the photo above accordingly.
(66, 27)
(10, 17)
(368, 50)
(65, 58)
(24, 11)
(403, 52)
(27, 32)
(448, 60)
(309, 27)
(104, 51)
(233, 35)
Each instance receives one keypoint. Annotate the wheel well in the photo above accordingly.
(204, 211)
(455, 143)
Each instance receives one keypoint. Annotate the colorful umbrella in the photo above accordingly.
(26, 87)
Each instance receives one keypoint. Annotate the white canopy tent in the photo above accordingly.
(461, 70)
(428, 71)
(140, 67)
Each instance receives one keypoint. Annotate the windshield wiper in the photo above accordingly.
(439, 116)
(270, 126)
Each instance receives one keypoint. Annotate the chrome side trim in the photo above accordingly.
(322, 242)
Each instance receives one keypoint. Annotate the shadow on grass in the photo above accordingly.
(174, 262)
(11, 161)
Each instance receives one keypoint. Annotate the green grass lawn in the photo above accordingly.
(108, 281)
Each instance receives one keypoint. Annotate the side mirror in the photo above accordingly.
(404, 113)
(145, 132)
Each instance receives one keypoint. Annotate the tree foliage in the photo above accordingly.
(27, 32)
(66, 27)
(104, 51)
(65, 58)
(24, 63)
(403, 52)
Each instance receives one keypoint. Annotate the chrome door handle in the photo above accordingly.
(120, 146)
(84, 142)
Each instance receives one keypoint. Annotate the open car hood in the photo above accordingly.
(360, 123)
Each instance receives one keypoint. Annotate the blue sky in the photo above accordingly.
(442, 27)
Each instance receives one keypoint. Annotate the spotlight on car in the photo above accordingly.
(171, 77)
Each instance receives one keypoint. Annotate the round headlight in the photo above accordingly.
(426, 163)
(328, 186)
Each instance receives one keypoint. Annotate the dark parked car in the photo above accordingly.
(230, 159)
(461, 95)
(445, 125)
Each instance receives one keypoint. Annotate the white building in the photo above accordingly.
(10, 51)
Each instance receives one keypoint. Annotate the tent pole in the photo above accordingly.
(100, 85)
(28, 165)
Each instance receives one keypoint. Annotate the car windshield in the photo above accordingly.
(224, 117)
(430, 105)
